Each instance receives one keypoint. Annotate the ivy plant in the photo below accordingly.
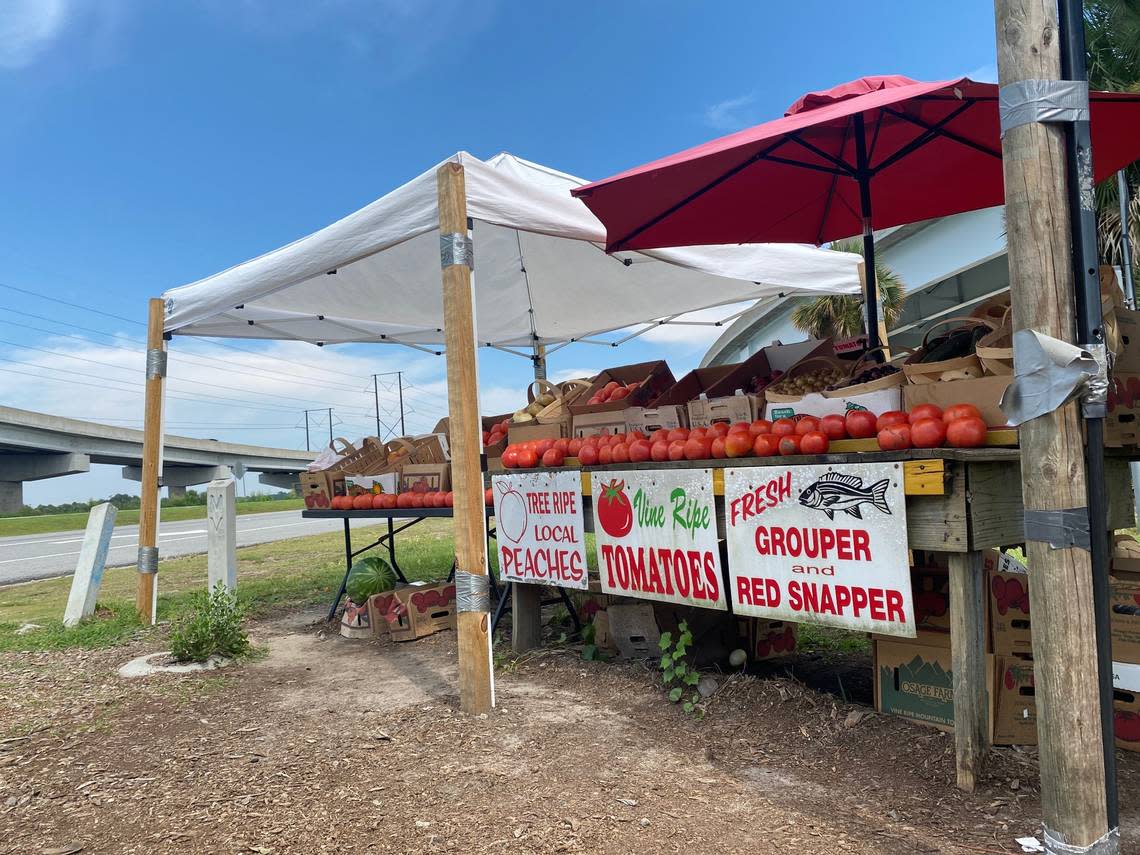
(678, 675)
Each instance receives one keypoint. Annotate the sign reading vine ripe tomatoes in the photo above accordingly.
(538, 519)
(656, 536)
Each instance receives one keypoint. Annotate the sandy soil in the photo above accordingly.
(329, 745)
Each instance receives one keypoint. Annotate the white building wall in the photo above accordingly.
(946, 247)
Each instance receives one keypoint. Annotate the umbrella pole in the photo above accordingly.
(147, 590)
(870, 282)
(1053, 471)
(473, 599)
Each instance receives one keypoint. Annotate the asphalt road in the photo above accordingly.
(42, 556)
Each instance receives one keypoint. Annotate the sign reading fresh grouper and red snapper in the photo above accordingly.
(656, 536)
(538, 518)
(820, 544)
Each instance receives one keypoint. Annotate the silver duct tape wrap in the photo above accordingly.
(1061, 529)
(1029, 101)
(155, 363)
(456, 248)
(1109, 844)
(472, 592)
(1094, 398)
(148, 559)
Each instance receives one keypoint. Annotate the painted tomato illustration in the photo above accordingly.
(510, 512)
(614, 510)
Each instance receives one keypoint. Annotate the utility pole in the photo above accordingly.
(1054, 480)
(326, 410)
(400, 389)
(307, 448)
(330, 426)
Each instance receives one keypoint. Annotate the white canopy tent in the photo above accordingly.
(541, 273)
(523, 265)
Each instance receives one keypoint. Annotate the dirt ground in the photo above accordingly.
(329, 745)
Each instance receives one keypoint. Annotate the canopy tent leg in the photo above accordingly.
(476, 678)
(146, 595)
(526, 600)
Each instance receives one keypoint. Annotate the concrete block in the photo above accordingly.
(11, 498)
(89, 568)
(35, 467)
(221, 528)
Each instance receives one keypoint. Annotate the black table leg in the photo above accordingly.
(347, 567)
(392, 550)
(503, 597)
(570, 608)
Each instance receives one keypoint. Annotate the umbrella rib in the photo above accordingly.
(830, 170)
(832, 188)
(847, 169)
(934, 130)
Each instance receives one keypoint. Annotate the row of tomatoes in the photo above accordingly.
(925, 426)
(391, 501)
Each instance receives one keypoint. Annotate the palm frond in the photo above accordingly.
(841, 316)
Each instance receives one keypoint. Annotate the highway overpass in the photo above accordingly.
(36, 445)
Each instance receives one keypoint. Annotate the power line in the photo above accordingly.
(73, 305)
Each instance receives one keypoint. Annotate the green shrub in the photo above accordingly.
(212, 627)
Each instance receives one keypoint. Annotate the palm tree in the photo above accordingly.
(841, 316)
(1112, 38)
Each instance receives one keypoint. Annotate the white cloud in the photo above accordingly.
(731, 114)
(29, 27)
(572, 374)
(987, 73)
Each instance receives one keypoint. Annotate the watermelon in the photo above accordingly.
(370, 575)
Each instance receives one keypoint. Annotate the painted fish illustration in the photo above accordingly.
(837, 493)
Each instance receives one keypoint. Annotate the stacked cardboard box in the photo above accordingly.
(1125, 626)
(412, 611)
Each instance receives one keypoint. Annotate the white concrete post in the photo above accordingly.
(221, 527)
(89, 567)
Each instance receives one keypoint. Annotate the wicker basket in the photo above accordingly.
(891, 381)
(932, 372)
(995, 348)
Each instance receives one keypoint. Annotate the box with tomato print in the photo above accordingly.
(767, 639)
(1122, 426)
(1126, 704)
(1007, 581)
(1014, 702)
(602, 407)
(425, 478)
(413, 611)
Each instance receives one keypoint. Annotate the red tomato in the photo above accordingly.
(659, 451)
(814, 442)
(891, 417)
(488, 497)
(717, 429)
(717, 447)
(588, 455)
(363, 502)
(613, 511)
(678, 434)
(606, 455)
(449, 499)
(698, 447)
(619, 393)
(563, 445)
(417, 500)
(429, 500)
(404, 500)
(639, 450)
(766, 445)
(895, 437)
(596, 398)
(634, 434)
(960, 411)
(677, 449)
(968, 432)
(609, 387)
(738, 427)
(790, 444)
(760, 426)
(486, 437)
(834, 426)
(738, 443)
(928, 433)
(861, 424)
(699, 433)
(510, 457)
(925, 411)
(618, 437)
(544, 445)
(659, 435)
(527, 458)
(806, 425)
(619, 451)
(573, 447)
(783, 427)
(553, 457)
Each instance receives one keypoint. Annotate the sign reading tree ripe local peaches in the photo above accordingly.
(820, 544)
(656, 536)
(538, 523)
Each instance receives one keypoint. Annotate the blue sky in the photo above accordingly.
(147, 144)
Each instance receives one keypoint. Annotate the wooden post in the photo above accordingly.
(968, 657)
(147, 593)
(476, 678)
(1052, 462)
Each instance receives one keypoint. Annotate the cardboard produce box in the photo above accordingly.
(425, 478)
(1126, 704)
(815, 404)
(1014, 702)
(916, 682)
(649, 419)
(319, 488)
(413, 611)
(1007, 586)
(983, 392)
(533, 430)
(653, 379)
(1122, 425)
(767, 639)
(930, 587)
(740, 407)
(670, 408)
(1125, 619)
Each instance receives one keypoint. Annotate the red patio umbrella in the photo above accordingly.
(871, 153)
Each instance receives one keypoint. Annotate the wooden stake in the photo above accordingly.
(146, 595)
(968, 657)
(476, 678)
(1052, 461)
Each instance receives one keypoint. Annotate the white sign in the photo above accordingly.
(820, 544)
(656, 536)
(538, 523)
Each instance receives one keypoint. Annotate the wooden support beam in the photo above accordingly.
(968, 662)
(147, 591)
(476, 678)
(1073, 794)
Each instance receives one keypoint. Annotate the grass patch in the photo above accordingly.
(13, 526)
(272, 578)
(813, 638)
